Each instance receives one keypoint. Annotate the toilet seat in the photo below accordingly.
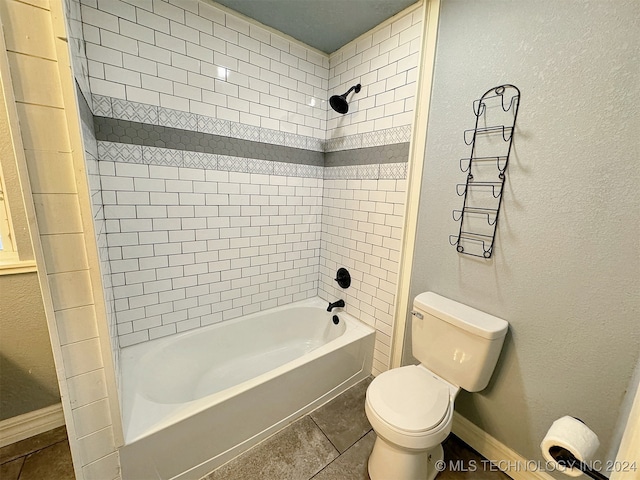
(410, 400)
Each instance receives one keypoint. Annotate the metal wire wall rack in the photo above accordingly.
(491, 140)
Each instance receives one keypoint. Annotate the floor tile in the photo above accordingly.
(11, 470)
(296, 453)
(51, 462)
(343, 420)
(33, 444)
(465, 463)
(352, 464)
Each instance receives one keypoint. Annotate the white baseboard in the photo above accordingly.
(29, 424)
(513, 464)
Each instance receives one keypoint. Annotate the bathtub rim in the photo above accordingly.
(355, 329)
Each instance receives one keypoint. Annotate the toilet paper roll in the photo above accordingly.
(573, 435)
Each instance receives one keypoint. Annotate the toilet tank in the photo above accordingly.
(455, 341)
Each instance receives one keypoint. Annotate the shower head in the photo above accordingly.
(339, 102)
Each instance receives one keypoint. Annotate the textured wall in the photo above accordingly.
(565, 266)
(28, 381)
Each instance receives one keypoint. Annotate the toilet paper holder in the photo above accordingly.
(567, 459)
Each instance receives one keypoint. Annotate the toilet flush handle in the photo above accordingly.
(417, 314)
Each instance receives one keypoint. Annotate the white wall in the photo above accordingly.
(123, 57)
(363, 205)
(189, 247)
(193, 57)
(565, 266)
(362, 228)
(384, 61)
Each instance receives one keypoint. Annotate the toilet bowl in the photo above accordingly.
(411, 411)
(411, 408)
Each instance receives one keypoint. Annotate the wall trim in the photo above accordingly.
(494, 450)
(629, 451)
(29, 424)
(17, 267)
(417, 150)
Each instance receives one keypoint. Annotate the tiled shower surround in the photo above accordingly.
(193, 246)
(223, 184)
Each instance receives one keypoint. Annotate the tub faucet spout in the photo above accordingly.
(339, 303)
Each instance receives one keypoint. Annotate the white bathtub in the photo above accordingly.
(193, 401)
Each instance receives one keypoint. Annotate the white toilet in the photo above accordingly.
(411, 408)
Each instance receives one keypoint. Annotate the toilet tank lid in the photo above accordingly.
(462, 316)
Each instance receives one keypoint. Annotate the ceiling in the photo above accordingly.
(323, 24)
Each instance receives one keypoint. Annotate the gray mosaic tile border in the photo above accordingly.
(383, 171)
(142, 154)
(143, 113)
(395, 153)
(111, 107)
(378, 138)
(150, 135)
(175, 138)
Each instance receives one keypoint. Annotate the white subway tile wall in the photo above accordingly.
(197, 58)
(189, 247)
(186, 231)
(77, 32)
(100, 228)
(361, 231)
(385, 63)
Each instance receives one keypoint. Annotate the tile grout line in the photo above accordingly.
(334, 447)
(325, 435)
(339, 454)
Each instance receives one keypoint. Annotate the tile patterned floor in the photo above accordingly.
(331, 443)
(44, 456)
(334, 443)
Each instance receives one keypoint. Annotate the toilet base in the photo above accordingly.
(388, 462)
